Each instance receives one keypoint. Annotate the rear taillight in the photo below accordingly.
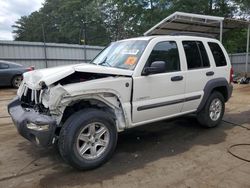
(31, 68)
(231, 75)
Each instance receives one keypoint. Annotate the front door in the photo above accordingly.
(159, 95)
(5, 75)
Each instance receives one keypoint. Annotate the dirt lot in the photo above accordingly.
(176, 153)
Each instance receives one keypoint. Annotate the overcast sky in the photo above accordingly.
(11, 10)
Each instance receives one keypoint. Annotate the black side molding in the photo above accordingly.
(156, 105)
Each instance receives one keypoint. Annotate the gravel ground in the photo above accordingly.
(174, 153)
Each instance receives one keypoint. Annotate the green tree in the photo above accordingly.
(235, 41)
(27, 28)
(244, 8)
(64, 21)
(98, 22)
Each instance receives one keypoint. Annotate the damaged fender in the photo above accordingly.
(61, 97)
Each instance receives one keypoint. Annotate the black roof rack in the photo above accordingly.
(191, 34)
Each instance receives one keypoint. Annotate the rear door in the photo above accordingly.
(199, 72)
(159, 95)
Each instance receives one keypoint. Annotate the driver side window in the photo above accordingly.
(167, 52)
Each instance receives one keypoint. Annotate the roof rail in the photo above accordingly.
(192, 34)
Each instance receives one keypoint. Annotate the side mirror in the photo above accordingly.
(156, 67)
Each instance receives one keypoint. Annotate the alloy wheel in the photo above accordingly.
(93, 140)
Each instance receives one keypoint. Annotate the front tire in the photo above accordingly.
(213, 111)
(88, 139)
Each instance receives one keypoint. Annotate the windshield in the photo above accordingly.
(121, 54)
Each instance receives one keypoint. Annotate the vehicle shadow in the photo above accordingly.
(238, 118)
(136, 148)
(7, 87)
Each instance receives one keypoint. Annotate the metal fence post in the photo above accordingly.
(85, 53)
(247, 49)
(44, 47)
(221, 30)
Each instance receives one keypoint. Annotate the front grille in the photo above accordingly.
(31, 96)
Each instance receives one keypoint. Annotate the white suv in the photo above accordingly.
(130, 83)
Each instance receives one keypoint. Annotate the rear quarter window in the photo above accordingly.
(218, 54)
(4, 66)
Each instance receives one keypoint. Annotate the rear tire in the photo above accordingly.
(16, 81)
(213, 111)
(88, 139)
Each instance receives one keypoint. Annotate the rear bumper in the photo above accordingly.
(32, 125)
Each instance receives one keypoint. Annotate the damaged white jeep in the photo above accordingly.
(130, 83)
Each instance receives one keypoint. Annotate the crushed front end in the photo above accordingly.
(31, 119)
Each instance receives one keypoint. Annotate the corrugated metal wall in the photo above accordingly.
(33, 53)
(239, 62)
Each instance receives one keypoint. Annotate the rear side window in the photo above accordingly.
(218, 54)
(196, 54)
(4, 66)
(167, 52)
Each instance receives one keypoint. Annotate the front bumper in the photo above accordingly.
(43, 126)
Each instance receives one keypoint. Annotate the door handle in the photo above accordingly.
(210, 73)
(176, 78)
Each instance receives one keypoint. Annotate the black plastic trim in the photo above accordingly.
(156, 105)
(212, 84)
(176, 78)
(22, 116)
(210, 73)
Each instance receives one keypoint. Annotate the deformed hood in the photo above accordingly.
(52, 75)
(102, 69)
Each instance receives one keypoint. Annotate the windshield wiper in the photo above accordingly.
(105, 62)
